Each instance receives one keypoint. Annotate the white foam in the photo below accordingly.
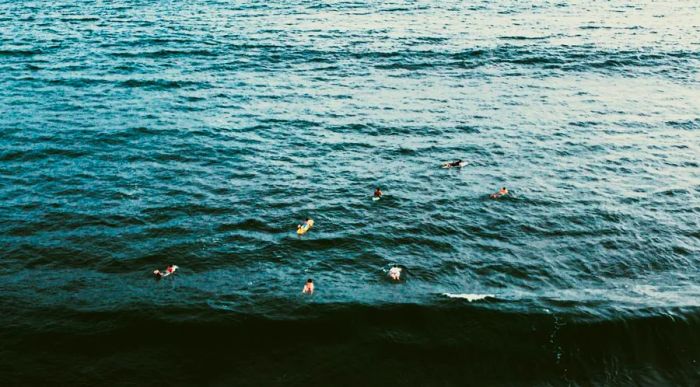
(468, 297)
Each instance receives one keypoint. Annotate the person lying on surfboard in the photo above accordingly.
(501, 192)
(302, 228)
(378, 193)
(169, 270)
(458, 163)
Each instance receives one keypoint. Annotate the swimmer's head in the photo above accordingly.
(309, 281)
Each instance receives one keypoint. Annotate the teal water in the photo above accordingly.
(136, 135)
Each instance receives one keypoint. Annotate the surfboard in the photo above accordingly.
(375, 198)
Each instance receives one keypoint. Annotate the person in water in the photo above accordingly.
(395, 273)
(308, 287)
(457, 163)
(501, 192)
(307, 223)
(169, 270)
(378, 193)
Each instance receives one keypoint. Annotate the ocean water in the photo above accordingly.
(137, 134)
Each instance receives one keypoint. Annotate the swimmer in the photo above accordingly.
(308, 287)
(501, 192)
(378, 193)
(395, 273)
(457, 163)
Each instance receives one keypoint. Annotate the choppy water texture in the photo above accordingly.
(135, 134)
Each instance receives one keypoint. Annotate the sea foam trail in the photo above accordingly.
(468, 296)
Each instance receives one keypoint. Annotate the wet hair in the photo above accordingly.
(308, 219)
(503, 188)
(309, 281)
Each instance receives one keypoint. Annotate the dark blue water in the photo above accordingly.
(139, 134)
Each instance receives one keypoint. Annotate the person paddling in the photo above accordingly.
(378, 193)
(303, 228)
(168, 271)
(457, 163)
(501, 192)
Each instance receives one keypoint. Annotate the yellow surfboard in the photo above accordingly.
(301, 230)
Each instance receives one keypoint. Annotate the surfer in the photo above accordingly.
(168, 271)
(457, 163)
(378, 193)
(501, 192)
(302, 228)
(395, 273)
(308, 287)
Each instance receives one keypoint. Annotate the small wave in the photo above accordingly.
(687, 124)
(41, 154)
(467, 129)
(249, 225)
(155, 84)
(469, 296)
(79, 18)
(405, 151)
(594, 27)
(524, 37)
(165, 54)
(19, 52)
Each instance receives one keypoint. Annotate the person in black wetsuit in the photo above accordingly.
(457, 163)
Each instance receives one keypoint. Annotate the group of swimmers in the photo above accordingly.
(394, 272)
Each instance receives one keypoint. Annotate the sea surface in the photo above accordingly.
(136, 134)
